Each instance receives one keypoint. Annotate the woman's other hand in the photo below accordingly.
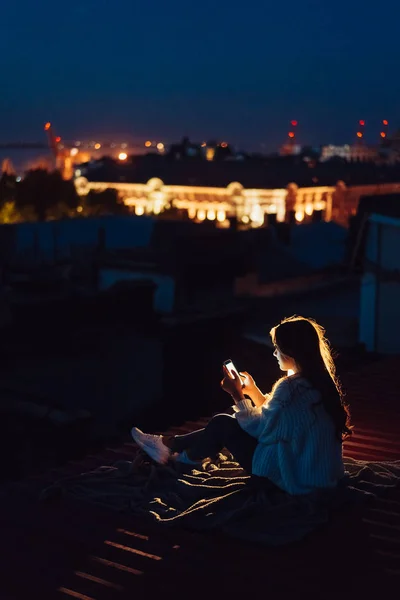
(251, 390)
(232, 384)
(249, 385)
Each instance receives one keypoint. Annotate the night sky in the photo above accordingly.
(221, 69)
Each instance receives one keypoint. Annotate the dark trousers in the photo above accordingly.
(223, 431)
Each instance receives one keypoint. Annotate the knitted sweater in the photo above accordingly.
(297, 445)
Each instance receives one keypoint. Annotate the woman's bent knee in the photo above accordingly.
(224, 422)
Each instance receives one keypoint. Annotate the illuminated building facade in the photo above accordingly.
(356, 152)
(251, 207)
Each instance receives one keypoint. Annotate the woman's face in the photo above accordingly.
(286, 363)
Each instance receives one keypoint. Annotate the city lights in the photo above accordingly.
(359, 134)
(148, 144)
(210, 152)
(139, 210)
(291, 134)
(97, 146)
(201, 214)
(47, 126)
(383, 134)
(74, 151)
(79, 209)
(211, 215)
(122, 156)
(58, 139)
(160, 147)
(385, 122)
(299, 215)
(221, 216)
(224, 145)
(309, 209)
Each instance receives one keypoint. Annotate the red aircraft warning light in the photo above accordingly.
(291, 134)
(294, 123)
(359, 134)
(362, 122)
(383, 134)
(385, 122)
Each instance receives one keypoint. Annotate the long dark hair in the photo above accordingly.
(304, 341)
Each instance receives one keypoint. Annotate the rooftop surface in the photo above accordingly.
(76, 550)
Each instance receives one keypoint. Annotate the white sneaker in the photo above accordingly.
(152, 445)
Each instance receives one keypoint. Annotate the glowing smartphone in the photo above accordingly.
(232, 369)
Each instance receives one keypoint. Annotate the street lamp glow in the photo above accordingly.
(97, 146)
(148, 144)
(160, 147)
(122, 156)
(74, 151)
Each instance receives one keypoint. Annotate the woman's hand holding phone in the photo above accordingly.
(232, 384)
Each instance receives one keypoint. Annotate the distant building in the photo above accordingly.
(355, 153)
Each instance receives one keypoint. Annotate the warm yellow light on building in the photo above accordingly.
(191, 212)
(139, 210)
(74, 151)
(299, 215)
(201, 214)
(210, 153)
(309, 209)
(122, 156)
(160, 147)
(148, 144)
(211, 214)
(79, 209)
(97, 146)
(245, 219)
(221, 216)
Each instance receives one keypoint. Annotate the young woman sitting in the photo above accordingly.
(292, 436)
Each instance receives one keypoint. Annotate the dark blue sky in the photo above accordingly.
(222, 69)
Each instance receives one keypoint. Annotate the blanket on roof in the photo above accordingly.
(220, 496)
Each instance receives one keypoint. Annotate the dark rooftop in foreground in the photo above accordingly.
(84, 552)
